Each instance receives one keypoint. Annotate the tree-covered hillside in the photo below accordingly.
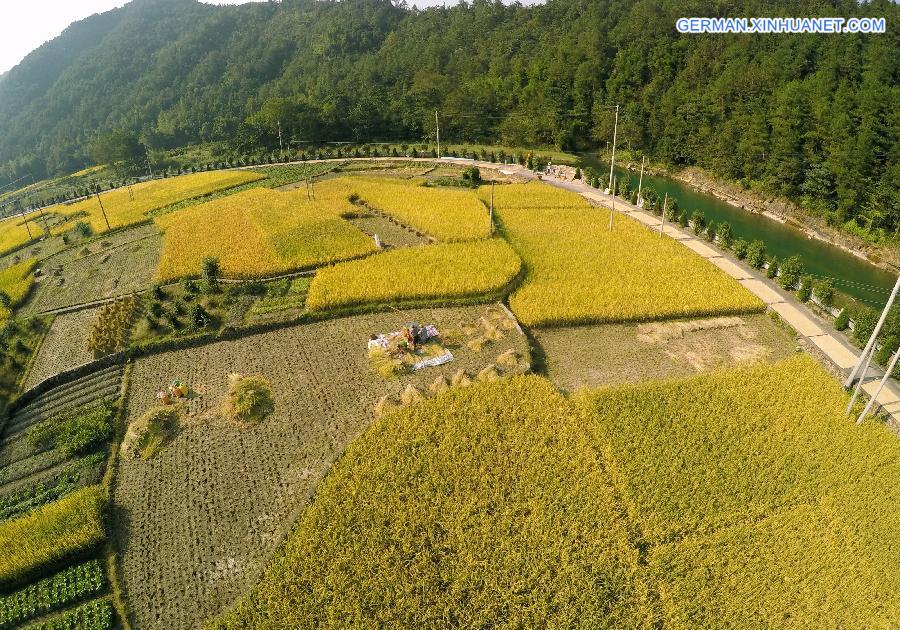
(811, 117)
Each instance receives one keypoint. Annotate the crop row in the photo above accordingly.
(52, 533)
(579, 271)
(53, 593)
(446, 270)
(80, 472)
(14, 233)
(94, 615)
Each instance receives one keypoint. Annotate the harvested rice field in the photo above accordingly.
(113, 265)
(609, 354)
(64, 347)
(196, 524)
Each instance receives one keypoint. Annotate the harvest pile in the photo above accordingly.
(124, 208)
(259, 232)
(579, 272)
(110, 332)
(446, 270)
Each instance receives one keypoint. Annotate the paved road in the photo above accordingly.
(807, 324)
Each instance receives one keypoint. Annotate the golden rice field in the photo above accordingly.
(259, 232)
(51, 533)
(580, 272)
(14, 233)
(16, 282)
(122, 211)
(735, 498)
(447, 214)
(761, 500)
(484, 507)
(445, 270)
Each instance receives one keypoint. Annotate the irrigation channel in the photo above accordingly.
(852, 276)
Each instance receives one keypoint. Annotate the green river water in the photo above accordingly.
(853, 276)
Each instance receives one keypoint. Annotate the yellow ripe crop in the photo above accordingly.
(446, 214)
(51, 533)
(14, 233)
(486, 505)
(446, 270)
(698, 454)
(258, 232)
(148, 196)
(16, 282)
(580, 272)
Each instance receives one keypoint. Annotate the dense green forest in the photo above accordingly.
(811, 117)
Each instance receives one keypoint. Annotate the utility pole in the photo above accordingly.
(640, 181)
(612, 210)
(149, 168)
(103, 210)
(25, 219)
(612, 160)
(280, 144)
(492, 207)
(662, 224)
(870, 345)
(875, 394)
(437, 126)
(44, 219)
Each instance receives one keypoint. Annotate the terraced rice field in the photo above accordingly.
(186, 559)
(14, 233)
(259, 233)
(580, 272)
(53, 510)
(16, 282)
(130, 205)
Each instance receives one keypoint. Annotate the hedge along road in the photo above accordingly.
(808, 325)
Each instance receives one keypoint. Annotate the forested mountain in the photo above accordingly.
(811, 117)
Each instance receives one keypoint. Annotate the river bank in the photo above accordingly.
(785, 211)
